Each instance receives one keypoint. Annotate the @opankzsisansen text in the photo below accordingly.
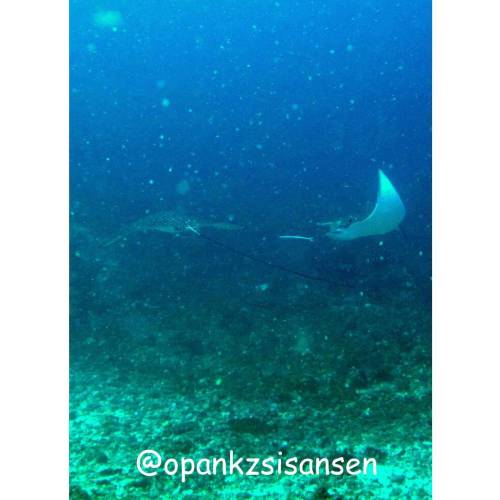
(151, 463)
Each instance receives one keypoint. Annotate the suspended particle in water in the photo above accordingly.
(165, 102)
(108, 19)
(183, 187)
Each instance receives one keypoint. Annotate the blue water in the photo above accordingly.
(273, 115)
(270, 104)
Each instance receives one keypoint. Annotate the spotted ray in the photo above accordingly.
(172, 223)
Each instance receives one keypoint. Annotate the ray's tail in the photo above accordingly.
(264, 262)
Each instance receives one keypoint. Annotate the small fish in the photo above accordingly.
(292, 237)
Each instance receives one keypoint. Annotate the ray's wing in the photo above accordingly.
(388, 213)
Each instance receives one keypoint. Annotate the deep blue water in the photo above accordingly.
(274, 115)
(276, 109)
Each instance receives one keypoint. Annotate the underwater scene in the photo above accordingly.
(250, 249)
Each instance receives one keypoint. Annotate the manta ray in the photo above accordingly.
(172, 223)
(387, 215)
